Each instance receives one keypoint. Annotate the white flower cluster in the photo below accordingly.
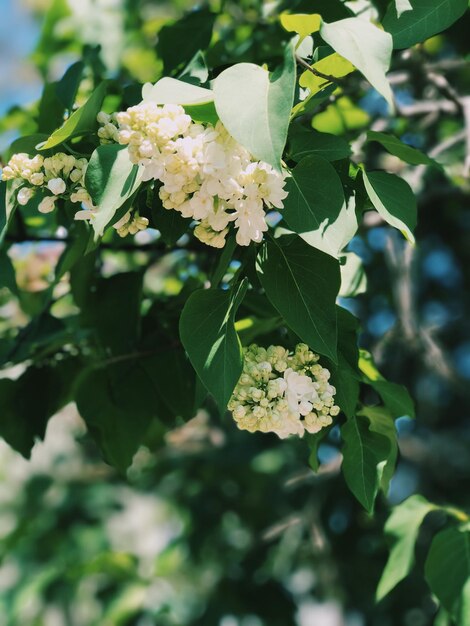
(284, 393)
(130, 224)
(61, 174)
(205, 174)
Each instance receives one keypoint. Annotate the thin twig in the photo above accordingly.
(328, 77)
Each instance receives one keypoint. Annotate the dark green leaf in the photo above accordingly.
(81, 122)
(171, 224)
(425, 20)
(209, 337)
(43, 335)
(394, 199)
(316, 206)
(68, 85)
(51, 110)
(329, 10)
(174, 379)
(302, 283)
(395, 397)
(180, 41)
(365, 453)
(110, 307)
(305, 142)
(382, 422)
(117, 405)
(401, 150)
(26, 404)
(345, 375)
(73, 252)
(27, 144)
(7, 273)
(447, 567)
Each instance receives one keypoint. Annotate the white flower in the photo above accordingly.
(209, 236)
(24, 195)
(57, 186)
(206, 175)
(47, 204)
(124, 219)
(300, 393)
(84, 215)
(286, 405)
(81, 195)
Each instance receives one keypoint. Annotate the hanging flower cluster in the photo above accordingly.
(282, 392)
(205, 174)
(57, 176)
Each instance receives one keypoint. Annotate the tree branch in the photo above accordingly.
(328, 77)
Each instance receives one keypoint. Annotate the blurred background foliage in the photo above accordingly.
(215, 527)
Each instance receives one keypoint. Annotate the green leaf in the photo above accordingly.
(171, 224)
(27, 403)
(365, 453)
(395, 397)
(332, 65)
(327, 9)
(250, 328)
(425, 20)
(111, 178)
(208, 335)
(7, 206)
(179, 42)
(301, 23)
(205, 113)
(312, 101)
(302, 283)
(367, 47)
(81, 122)
(110, 308)
(7, 273)
(43, 336)
(402, 528)
(174, 379)
(447, 567)
(27, 144)
(117, 405)
(196, 71)
(394, 199)
(315, 202)
(353, 276)
(51, 110)
(173, 91)
(224, 260)
(306, 142)
(345, 375)
(73, 252)
(382, 422)
(68, 85)
(401, 150)
(255, 106)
